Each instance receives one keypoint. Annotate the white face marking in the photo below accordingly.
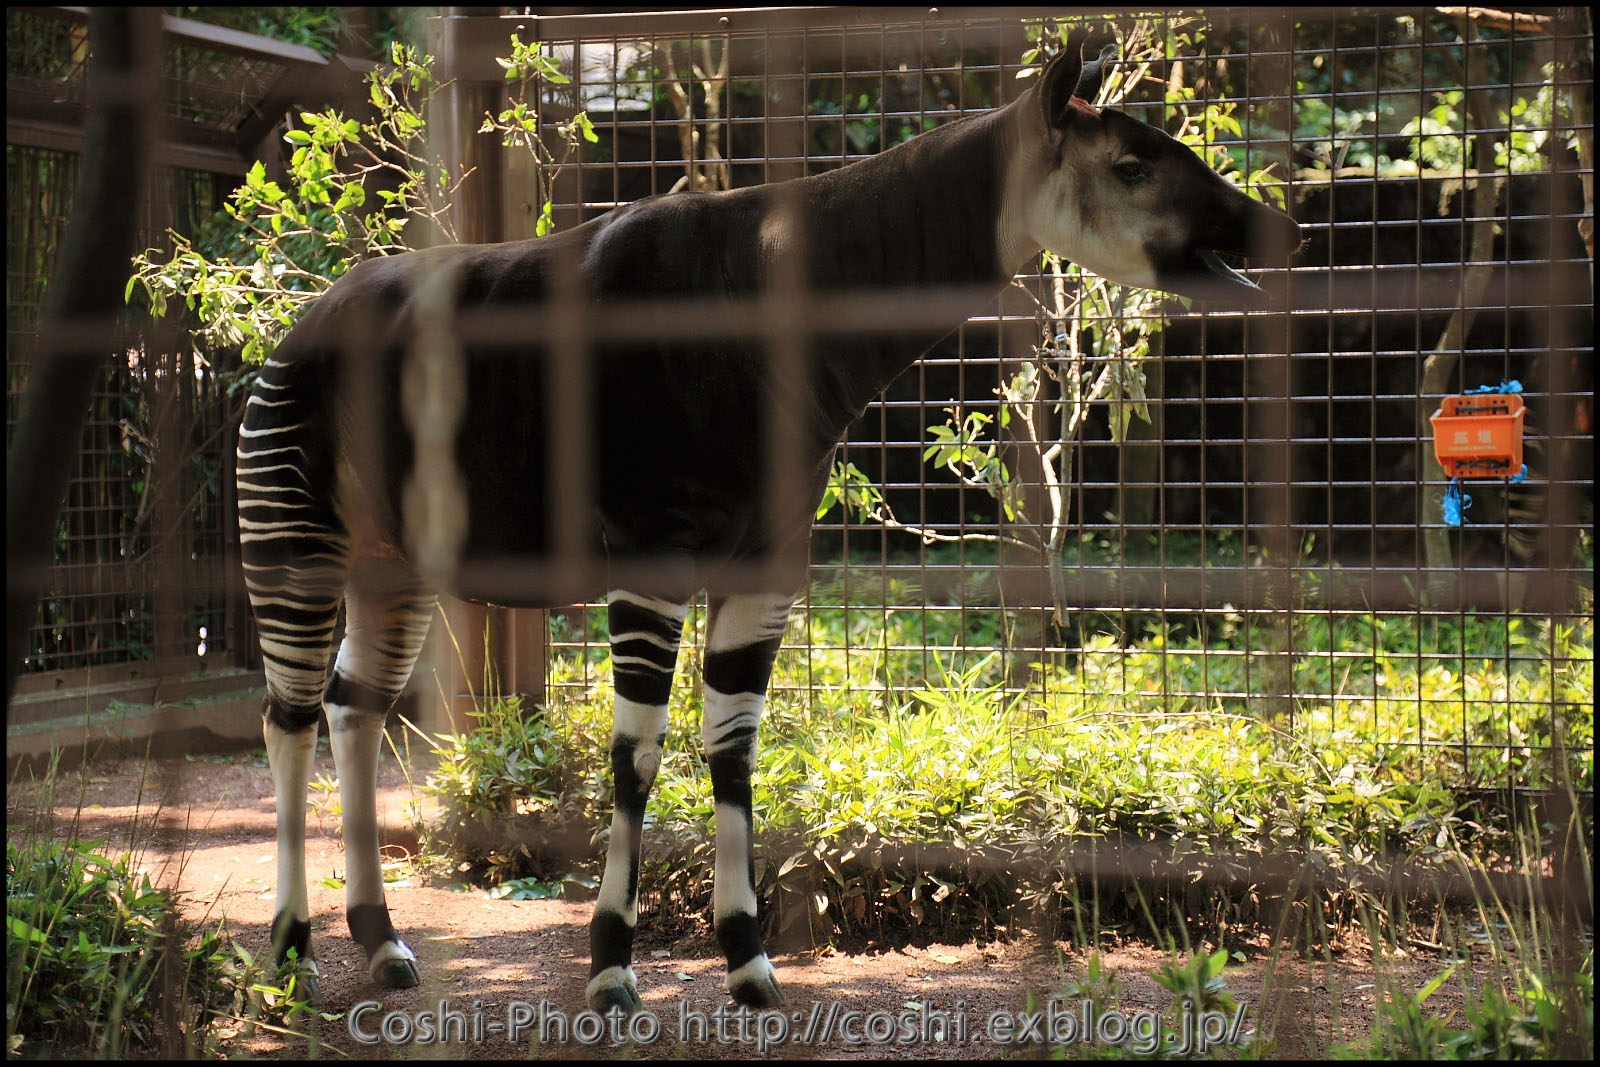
(1108, 242)
(1080, 210)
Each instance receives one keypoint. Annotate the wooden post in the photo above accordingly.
(481, 214)
(524, 632)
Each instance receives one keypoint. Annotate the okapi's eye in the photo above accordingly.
(1132, 171)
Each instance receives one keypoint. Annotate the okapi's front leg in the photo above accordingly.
(645, 633)
(742, 641)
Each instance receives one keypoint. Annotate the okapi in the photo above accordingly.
(677, 467)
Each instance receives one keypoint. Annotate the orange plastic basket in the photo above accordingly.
(1479, 435)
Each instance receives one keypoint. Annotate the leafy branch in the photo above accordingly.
(1094, 338)
(350, 192)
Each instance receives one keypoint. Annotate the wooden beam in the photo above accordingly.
(205, 35)
(338, 84)
(479, 38)
(1513, 21)
(58, 137)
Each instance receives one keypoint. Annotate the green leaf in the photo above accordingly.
(1439, 980)
(297, 137)
(21, 929)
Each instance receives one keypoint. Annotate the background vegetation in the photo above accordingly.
(906, 779)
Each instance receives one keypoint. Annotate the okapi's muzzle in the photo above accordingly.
(1237, 227)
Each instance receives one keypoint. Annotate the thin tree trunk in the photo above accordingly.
(1579, 63)
(77, 330)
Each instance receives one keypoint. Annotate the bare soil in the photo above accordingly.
(207, 828)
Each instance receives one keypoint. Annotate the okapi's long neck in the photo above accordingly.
(921, 216)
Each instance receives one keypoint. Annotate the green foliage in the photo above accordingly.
(1439, 137)
(1525, 1024)
(849, 485)
(95, 954)
(351, 191)
(84, 938)
(277, 998)
(99, 962)
(510, 768)
(872, 748)
(312, 27)
(506, 765)
(959, 447)
(1198, 983)
(518, 125)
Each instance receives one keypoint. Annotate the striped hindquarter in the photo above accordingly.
(299, 569)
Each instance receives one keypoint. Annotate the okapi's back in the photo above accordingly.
(327, 431)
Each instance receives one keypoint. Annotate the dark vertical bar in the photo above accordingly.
(787, 296)
(78, 323)
(1268, 415)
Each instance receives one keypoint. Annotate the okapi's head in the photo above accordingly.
(1125, 200)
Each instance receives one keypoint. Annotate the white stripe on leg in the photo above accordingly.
(290, 756)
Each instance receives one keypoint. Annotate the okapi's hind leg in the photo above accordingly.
(387, 613)
(742, 641)
(296, 605)
(645, 633)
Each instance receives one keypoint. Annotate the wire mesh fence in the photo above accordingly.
(141, 557)
(1241, 515)
(1102, 501)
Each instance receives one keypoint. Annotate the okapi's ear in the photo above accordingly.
(1059, 83)
(1094, 72)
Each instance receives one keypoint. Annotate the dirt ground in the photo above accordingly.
(210, 832)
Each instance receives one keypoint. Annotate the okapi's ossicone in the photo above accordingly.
(677, 463)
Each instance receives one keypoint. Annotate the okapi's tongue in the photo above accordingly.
(1227, 273)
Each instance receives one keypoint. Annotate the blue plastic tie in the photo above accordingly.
(1455, 503)
(1521, 474)
(1512, 386)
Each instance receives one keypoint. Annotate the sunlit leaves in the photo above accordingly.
(349, 191)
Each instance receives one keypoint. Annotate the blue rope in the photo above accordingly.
(1455, 503)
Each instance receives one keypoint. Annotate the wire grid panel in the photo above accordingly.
(141, 557)
(212, 88)
(1247, 499)
(46, 56)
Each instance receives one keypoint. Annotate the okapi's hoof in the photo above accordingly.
(397, 974)
(616, 996)
(394, 966)
(762, 992)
